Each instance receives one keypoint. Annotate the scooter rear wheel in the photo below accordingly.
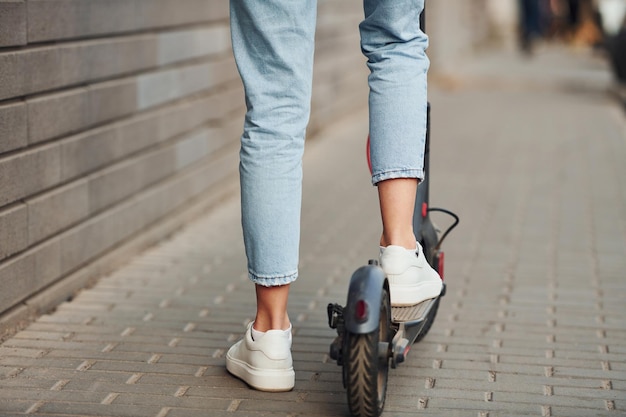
(365, 368)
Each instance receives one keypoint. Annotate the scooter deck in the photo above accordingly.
(411, 313)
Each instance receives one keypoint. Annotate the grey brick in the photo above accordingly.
(232, 130)
(125, 179)
(89, 151)
(191, 149)
(216, 10)
(188, 44)
(12, 23)
(13, 126)
(110, 16)
(143, 210)
(73, 18)
(49, 20)
(103, 232)
(223, 71)
(59, 114)
(108, 101)
(44, 68)
(12, 74)
(13, 226)
(178, 119)
(157, 88)
(220, 137)
(194, 79)
(89, 239)
(47, 261)
(223, 103)
(57, 66)
(138, 133)
(113, 185)
(29, 172)
(70, 64)
(165, 13)
(156, 166)
(134, 54)
(17, 279)
(195, 184)
(160, 87)
(56, 210)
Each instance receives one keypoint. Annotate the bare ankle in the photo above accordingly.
(263, 324)
(406, 241)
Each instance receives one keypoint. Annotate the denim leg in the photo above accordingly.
(394, 45)
(273, 44)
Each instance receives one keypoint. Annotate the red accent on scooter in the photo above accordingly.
(440, 262)
(424, 210)
(406, 350)
(361, 310)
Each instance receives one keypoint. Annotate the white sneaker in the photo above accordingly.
(411, 279)
(264, 364)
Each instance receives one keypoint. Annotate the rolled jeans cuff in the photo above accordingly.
(403, 173)
(273, 281)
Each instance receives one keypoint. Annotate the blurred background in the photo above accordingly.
(120, 119)
(462, 30)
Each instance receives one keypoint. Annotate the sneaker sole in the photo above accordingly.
(268, 380)
(409, 295)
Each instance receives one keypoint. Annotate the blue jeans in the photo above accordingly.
(273, 44)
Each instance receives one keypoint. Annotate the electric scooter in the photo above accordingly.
(371, 334)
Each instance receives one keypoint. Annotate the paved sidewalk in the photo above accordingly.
(533, 324)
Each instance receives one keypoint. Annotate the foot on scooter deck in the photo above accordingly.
(417, 312)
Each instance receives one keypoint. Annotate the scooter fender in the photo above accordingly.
(366, 286)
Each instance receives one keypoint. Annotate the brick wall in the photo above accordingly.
(119, 121)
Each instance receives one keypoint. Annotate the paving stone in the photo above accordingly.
(14, 406)
(113, 410)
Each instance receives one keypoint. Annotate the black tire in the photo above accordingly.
(365, 374)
